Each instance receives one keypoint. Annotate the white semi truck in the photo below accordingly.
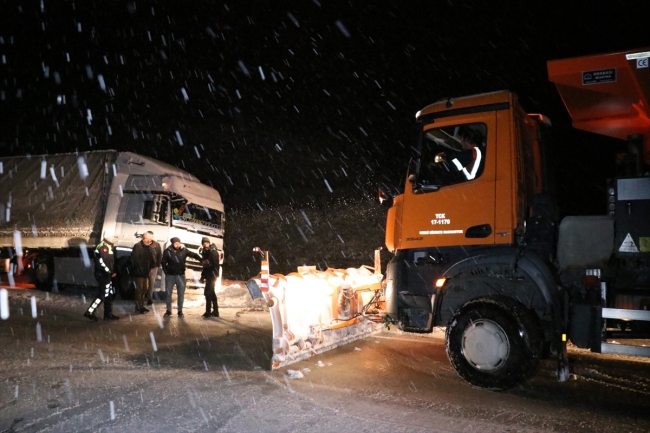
(54, 210)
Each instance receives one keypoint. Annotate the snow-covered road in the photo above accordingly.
(149, 374)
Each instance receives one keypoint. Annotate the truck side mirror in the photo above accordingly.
(385, 198)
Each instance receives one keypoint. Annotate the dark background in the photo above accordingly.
(335, 104)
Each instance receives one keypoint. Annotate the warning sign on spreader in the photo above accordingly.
(597, 77)
(628, 245)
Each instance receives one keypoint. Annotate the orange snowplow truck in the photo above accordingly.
(477, 247)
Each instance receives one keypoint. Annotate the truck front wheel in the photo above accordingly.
(494, 342)
(43, 272)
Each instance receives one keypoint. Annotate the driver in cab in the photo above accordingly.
(467, 160)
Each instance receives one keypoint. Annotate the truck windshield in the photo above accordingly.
(191, 213)
(451, 155)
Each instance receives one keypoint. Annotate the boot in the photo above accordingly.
(215, 311)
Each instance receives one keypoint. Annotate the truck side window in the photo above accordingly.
(131, 209)
(452, 154)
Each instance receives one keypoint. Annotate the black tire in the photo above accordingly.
(43, 272)
(124, 282)
(494, 342)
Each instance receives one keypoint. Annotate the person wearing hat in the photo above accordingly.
(209, 274)
(104, 273)
(173, 263)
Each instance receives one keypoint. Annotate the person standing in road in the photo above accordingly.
(156, 251)
(104, 273)
(142, 261)
(210, 273)
(173, 263)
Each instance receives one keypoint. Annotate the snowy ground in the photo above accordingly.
(149, 374)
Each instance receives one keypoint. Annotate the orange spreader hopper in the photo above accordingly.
(607, 93)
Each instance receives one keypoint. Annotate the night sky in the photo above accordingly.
(301, 101)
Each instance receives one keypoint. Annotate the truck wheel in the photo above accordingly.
(494, 343)
(43, 273)
(124, 282)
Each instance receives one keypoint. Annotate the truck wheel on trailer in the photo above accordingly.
(43, 272)
(494, 342)
(124, 282)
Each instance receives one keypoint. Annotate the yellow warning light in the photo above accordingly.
(440, 282)
(563, 337)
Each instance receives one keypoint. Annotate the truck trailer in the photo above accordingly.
(478, 247)
(54, 210)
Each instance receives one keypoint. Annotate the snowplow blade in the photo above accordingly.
(314, 311)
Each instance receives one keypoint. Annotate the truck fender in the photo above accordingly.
(536, 271)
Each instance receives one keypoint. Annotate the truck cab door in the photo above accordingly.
(140, 212)
(449, 199)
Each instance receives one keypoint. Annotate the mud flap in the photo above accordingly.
(418, 317)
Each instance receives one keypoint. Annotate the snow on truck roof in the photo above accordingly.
(127, 162)
(174, 179)
(132, 163)
(183, 183)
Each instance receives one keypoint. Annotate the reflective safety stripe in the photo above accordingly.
(103, 265)
(94, 305)
(477, 162)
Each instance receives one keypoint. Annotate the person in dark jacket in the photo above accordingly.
(142, 261)
(104, 273)
(210, 273)
(173, 263)
(156, 251)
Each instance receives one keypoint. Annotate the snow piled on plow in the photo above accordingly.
(314, 311)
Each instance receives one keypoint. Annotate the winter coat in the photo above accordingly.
(156, 251)
(142, 260)
(210, 260)
(173, 261)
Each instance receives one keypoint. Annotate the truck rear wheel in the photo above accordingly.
(124, 282)
(494, 342)
(43, 272)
